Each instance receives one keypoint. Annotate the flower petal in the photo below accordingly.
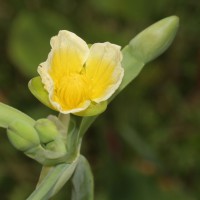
(69, 53)
(67, 57)
(103, 70)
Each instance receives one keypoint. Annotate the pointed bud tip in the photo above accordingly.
(154, 40)
(173, 18)
(172, 21)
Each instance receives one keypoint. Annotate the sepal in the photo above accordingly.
(93, 109)
(36, 87)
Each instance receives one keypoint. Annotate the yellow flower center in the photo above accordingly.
(70, 91)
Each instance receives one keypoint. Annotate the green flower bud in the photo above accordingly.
(8, 114)
(22, 135)
(56, 146)
(154, 40)
(47, 130)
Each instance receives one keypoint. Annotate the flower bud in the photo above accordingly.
(47, 130)
(22, 135)
(154, 40)
(56, 146)
(8, 114)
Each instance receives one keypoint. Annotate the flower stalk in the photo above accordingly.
(78, 80)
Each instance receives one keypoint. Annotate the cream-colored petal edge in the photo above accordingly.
(46, 78)
(66, 39)
(112, 88)
(110, 53)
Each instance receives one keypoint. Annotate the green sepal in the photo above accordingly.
(36, 87)
(93, 109)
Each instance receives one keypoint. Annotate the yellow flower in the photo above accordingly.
(76, 76)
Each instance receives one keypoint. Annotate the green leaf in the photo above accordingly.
(44, 171)
(54, 180)
(36, 87)
(82, 180)
(9, 114)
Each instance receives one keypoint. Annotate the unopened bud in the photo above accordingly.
(22, 135)
(154, 40)
(56, 146)
(47, 130)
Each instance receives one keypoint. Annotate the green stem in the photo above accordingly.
(65, 119)
(53, 182)
(85, 124)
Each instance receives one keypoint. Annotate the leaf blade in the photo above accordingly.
(82, 180)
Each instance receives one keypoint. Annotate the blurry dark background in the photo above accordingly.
(147, 144)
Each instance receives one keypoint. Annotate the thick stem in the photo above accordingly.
(53, 182)
(65, 119)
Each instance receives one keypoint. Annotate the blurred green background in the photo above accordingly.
(147, 144)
